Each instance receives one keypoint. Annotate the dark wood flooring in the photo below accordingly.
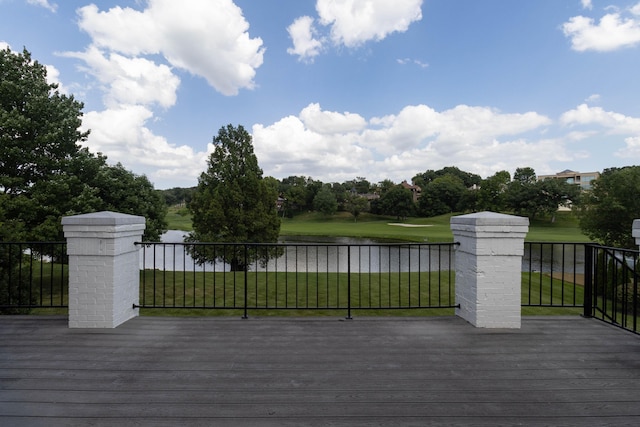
(323, 371)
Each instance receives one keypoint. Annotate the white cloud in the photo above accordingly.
(4, 45)
(612, 32)
(599, 121)
(615, 123)
(593, 98)
(134, 55)
(352, 23)
(44, 3)
(329, 122)
(131, 80)
(305, 45)
(631, 150)
(208, 38)
(587, 4)
(122, 134)
(480, 139)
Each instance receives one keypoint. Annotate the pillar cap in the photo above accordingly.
(103, 218)
(490, 218)
(635, 232)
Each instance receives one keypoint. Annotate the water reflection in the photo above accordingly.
(322, 255)
(342, 254)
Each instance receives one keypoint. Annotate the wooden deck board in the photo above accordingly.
(323, 371)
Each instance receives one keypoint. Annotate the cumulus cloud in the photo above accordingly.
(631, 149)
(130, 80)
(121, 132)
(401, 145)
(303, 33)
(206, 38)
(587, 4)
(4, 45)
(352, 23)
(614, 122)
(613, 31)
(329, 122)
(597, 120)
(135, 56)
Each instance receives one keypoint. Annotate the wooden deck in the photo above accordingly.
(327, 371)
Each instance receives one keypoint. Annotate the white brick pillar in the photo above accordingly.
(104, 268)
(488, 266)
(635, 232)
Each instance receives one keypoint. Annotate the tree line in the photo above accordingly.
(432, 193)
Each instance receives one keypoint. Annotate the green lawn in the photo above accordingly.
(563, 229)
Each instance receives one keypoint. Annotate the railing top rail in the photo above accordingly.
(298, 244)
(612, 248)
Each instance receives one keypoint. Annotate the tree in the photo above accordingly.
(441, 196)
(355, 205)
(325, 201)
(468, 179)
(522, 195)
(44, 171)
(607, 211)
(397, 202)
(233, 203)
(491, 195)
(527, 196)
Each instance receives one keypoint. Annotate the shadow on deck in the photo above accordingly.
(320, 371)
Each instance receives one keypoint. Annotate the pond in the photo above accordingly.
(343, 254)
(315, 254)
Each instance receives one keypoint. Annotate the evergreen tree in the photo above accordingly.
(233, 203)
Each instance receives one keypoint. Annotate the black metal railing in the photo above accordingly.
(297, 276)
(553, 274)
(612, 294)
(33, 275)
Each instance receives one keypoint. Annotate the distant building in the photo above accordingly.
(415, 190)
(581, 179)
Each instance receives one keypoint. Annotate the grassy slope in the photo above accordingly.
(563, 229)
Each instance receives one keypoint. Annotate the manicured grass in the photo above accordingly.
(179, 218)
(436, 229)
(324, 294)
(309, 294)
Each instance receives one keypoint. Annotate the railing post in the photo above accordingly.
(246, 283)
(104, 268)
(349, 282)
(588, 281)
(488, 266)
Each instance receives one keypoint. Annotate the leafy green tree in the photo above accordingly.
(233, 203)
(325, 201)
(44, 172)
(527, 196)
(522, 195)
(553, 193)
(397, 202)
(440, 196)
(607, 211)
(491, 195)
(355, 205)
(383, 186)
(468, 179)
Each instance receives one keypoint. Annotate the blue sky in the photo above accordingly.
(339, 89)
